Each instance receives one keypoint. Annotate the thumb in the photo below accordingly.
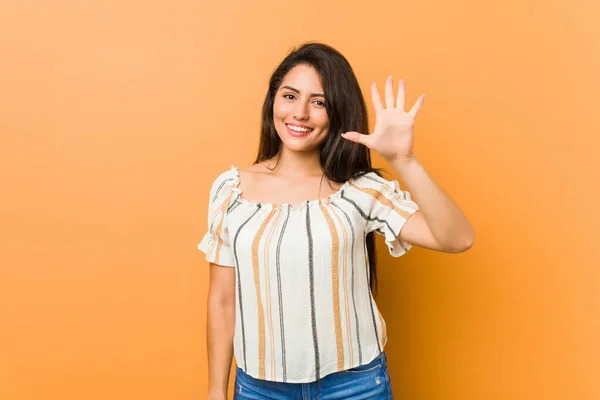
(356, 137)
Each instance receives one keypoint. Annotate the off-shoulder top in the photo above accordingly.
(304, 308)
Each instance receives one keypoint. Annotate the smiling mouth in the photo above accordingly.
(299, 129)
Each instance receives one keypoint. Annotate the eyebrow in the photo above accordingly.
(297, 91)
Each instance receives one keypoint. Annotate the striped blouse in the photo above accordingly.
(304, 308)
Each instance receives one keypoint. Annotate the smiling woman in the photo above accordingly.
(294, 104)
(299, 109)
(300, 314)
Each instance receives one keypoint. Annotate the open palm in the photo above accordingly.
(393, 136)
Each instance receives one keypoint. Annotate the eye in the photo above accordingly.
(320, 103)
(288, 96)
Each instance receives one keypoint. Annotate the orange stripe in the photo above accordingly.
(223, 210)
(383, 329)
(269, 304)
(383, 200)
(335, 286)
(261, 313)
(345, 273)
(398, 197)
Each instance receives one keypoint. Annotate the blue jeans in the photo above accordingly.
(370, 381)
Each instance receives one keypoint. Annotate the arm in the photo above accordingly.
(220, 329)
(439, 224)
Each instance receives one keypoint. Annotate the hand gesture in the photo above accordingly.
(393, 135)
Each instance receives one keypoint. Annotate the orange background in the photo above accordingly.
(116, 117)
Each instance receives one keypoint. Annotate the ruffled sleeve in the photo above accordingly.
(215, 243)
(385, 208)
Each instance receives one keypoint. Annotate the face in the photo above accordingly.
(299, 111)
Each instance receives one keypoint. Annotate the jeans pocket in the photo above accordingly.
(247, 391)
(245, 385)
(372, 367)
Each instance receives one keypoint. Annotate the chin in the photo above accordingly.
(297, 147)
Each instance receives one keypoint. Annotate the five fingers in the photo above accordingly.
(389, 97)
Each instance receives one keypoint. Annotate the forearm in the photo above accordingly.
(220, 329)
(448, 224)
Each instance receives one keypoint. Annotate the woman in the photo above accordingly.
(297, 308)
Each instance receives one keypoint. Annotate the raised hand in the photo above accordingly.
(393, 136)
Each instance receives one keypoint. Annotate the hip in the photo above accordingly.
(369, 381)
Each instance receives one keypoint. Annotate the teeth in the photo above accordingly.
(298, 129)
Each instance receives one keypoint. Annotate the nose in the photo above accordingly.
(301, 110)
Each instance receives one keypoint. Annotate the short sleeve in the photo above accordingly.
(215, 243)
(386, 208)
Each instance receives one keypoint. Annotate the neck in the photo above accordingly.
(298, 164)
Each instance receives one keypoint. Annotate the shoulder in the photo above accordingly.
(372, 181)
(369, 177)
(224, 182)
(259, 175)
(263, 168)
(251, 173)
(371, 188)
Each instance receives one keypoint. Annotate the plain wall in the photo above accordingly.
(115, 117)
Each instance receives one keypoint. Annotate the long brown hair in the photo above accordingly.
(340, 159)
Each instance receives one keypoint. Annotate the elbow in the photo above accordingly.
(466, 243)
(461, 244)
(220, 305)
(220, 301)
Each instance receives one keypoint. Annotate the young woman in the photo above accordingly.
(292, 261)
